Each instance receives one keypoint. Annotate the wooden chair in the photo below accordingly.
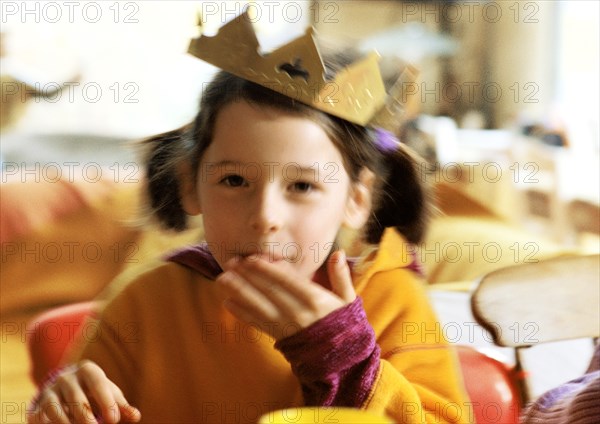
(533, 303)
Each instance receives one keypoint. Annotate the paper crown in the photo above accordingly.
(296, 70)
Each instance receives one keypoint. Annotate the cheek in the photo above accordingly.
(326, 221)
(217, 221)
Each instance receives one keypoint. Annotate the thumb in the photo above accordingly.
(340, 277)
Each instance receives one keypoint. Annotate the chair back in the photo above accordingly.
(547, 301)
(52, 334)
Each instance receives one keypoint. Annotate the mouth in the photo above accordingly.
(273, 252)
(267, 256)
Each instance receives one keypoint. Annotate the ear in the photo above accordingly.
(187, 189)
(358, 207)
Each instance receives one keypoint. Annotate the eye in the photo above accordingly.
(234, 181)
(302, 187)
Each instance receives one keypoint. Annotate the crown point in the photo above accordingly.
(296, 70)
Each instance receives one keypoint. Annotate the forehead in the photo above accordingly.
(248, 130)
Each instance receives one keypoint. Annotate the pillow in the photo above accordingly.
(467, 240)
(464, 248)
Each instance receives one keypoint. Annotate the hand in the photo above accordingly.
(69, 398)
(279, 302)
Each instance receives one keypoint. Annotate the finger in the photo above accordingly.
(77, 404)
(282, 287)
(273, 288)
(340, 276)
(275, 329)
(298, 301)
(35, 414)
(100, 389)
(231, 263)
(51, 407)
(247, 298)
(128, 413)
(259, 311)
(241, 312)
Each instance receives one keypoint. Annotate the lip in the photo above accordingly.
(269, 257)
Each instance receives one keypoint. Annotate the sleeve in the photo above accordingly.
(575, 402)
(396, 363)
(336, 359)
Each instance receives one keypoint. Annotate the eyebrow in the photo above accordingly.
(225, 163)
(222, 163)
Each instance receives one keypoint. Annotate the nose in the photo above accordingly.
(267, 211)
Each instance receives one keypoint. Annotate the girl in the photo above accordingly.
(268, 313)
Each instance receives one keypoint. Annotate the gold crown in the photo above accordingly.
(296, 70)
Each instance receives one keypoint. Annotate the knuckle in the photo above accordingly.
(67, 389)
(316, 304)
(86, 365)
(62, 380)
(90, 370)
(93, 380)
(304, 318)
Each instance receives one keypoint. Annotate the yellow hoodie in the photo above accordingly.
(179, 356)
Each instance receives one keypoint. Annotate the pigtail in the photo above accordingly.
(403, 198)
(161, 156)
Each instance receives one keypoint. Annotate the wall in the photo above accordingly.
(123, 65)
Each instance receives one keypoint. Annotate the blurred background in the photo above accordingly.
(505, 104)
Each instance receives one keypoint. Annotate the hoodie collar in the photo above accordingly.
(392, 252)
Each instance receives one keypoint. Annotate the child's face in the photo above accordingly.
(272, 184)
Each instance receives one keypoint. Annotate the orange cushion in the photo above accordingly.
(63, 241)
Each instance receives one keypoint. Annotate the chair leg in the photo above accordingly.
(521, 378)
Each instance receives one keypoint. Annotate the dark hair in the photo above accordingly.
(400, 198)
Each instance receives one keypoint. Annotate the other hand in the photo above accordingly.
(82, 394)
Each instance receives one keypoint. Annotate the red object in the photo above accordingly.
(51, 334)
(491, 385)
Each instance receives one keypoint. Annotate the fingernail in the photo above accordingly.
(134, 412)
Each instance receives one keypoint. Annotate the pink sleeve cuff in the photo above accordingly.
(336, 359)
